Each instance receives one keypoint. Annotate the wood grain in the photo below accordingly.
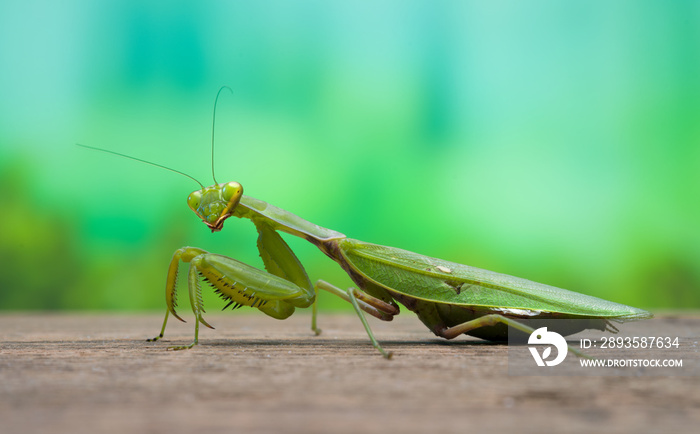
(87, 373)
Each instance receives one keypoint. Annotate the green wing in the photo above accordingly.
(440, 281)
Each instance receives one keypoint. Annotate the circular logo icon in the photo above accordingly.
(543, 337)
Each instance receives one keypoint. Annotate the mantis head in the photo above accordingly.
(215, 203)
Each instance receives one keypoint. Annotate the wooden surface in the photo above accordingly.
(89, 373)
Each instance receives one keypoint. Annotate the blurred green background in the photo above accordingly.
(556, 141)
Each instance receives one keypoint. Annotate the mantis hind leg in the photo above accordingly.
(489, 321)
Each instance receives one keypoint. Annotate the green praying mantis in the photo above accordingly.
(449, 298)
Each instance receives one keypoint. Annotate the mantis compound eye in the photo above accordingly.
(194, 200)
(232, 192)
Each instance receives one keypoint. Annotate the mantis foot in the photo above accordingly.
(182, 347)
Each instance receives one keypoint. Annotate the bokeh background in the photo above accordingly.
(556, 141)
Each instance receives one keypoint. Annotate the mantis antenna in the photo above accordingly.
(213, 124)
(142, 161)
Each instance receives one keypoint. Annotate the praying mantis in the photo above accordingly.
(451, 299)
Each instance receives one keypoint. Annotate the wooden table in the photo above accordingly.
(94, 373)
